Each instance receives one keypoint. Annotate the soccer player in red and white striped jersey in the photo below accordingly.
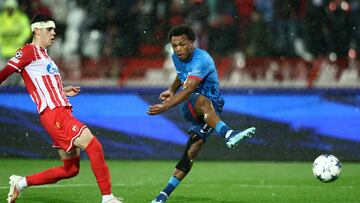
(43, 82)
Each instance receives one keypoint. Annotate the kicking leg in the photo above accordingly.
(70, 168)
(182, 168)
(205, 110)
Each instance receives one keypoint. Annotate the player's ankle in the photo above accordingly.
(108, 197)
(22, 184)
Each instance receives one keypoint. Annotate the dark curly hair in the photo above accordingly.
(181, 30)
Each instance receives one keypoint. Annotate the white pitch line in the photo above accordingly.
(285, 186)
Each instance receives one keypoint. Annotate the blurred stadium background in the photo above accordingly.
(288, 67)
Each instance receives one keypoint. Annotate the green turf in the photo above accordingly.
(225, 182)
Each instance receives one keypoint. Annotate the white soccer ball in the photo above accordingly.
(327, 168)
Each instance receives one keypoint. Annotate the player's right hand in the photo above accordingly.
(166, 96)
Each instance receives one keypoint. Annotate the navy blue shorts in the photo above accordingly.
(198, 127)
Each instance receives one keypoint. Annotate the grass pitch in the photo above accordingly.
(208, 182)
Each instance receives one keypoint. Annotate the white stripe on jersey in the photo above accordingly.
(48, 83)
(42, 105)
(43, 81)
(35, 99)
(17, 69)
(14, 59)
(46, 93)
(61, 90)
(51, 80)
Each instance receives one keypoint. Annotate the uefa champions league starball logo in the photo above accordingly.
(19, 54)
(51, 68)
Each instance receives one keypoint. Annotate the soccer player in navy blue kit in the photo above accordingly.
(200, 99)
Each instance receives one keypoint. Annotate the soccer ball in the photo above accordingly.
(326, 168)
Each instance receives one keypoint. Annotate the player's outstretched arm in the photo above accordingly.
(6, 72)
(169, 93)
(189, 87)
(71, 91)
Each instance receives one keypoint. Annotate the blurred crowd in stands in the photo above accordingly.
(309, 34)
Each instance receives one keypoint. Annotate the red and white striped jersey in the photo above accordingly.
(41, 77)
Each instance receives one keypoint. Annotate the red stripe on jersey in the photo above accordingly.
(41, 55)
(30, 86)
(56, 91)
(44, 53)
(36, 55)
(37, 100)
(50, 89)
(41, 90)
(192, 111)
(55, 88)
(59, 82)
(195, 77)
(60, 86)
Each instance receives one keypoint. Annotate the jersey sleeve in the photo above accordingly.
(199, 70)
(21, 59)
(6, 72)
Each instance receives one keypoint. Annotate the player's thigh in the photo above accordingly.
(69, 155)
(203, 105)
(188, 108)
(84, 139)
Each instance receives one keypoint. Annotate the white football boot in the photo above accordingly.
(114, 200)
(233, 137)
(14, 191)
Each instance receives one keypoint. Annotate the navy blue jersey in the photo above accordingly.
(200, 67)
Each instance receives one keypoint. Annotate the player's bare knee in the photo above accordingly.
(207, 107)
(84, 139)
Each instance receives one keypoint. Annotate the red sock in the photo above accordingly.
(69, 169)
(98, 166)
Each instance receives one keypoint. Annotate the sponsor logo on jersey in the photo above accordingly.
(51, 68)
(195, 71)
(19, 54)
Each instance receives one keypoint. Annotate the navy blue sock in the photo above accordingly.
(173, 183)
(222, 128)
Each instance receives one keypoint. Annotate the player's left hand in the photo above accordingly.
(71, 91)
(157, 109)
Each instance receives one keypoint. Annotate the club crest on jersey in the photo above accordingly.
(19, 54)
(75, 128)
(52, 69)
